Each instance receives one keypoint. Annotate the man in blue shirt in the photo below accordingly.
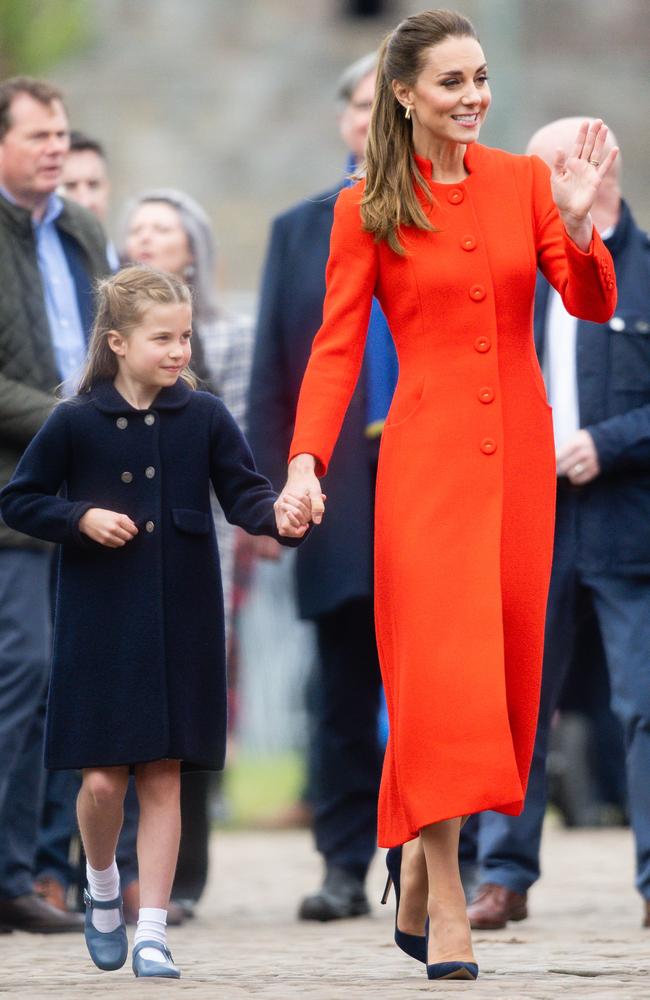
(50, 253)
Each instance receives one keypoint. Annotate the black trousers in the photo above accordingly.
(345, 755)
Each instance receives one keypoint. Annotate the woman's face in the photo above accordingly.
(156, 237)
(451, 96)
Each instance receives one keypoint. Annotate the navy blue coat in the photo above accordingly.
(613, 374)
(138, 669)
(336, 565)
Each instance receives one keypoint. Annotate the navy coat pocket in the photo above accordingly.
(193, 522)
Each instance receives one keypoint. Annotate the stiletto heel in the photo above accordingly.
(414, 945)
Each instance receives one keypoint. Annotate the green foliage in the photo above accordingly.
(36, 34)
(257, 787)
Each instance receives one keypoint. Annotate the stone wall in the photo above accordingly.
(233, 99)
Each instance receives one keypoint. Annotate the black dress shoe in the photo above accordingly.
(31, 913)
(342, 895)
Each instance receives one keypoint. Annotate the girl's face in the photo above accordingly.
(451, 96)
(156, 351)
(156, 237)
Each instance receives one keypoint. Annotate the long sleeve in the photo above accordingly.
(337, 352)
(586, 281)
(29, 503)
(246, 496)
(623, 441)
(23, 409)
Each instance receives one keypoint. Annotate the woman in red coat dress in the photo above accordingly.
(448, 235)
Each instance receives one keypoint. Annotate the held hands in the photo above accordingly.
(301, 500)
(107, 527)
(575, 179)
(578, 459)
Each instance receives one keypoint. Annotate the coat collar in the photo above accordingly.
(107, 399)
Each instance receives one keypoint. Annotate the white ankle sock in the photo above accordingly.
(152, 926)
(104, 886)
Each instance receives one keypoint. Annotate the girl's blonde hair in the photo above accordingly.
(390, 199)
(122, 301)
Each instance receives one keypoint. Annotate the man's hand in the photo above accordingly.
(578, 459)
(107, 527)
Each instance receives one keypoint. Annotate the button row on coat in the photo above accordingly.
(123, 423)
(127, 477)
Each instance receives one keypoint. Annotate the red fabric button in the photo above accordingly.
(482, 345)
(455, 196)
(610, 285)
(477, 293)
(488, 446)
(486, 394)
(468, 242)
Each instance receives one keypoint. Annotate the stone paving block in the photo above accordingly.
(583, 937)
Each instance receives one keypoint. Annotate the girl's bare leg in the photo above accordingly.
(100, 812)
(450, 937)
(159, 830)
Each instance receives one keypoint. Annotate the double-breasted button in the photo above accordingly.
(122, 423)
(642, 326)
(477, 293)
(486, 394)
(482, 345)
(617, 323)
(610, 285)
(150, 472)
(468, 242)
(149, 419)
(149, 526)
(455, 196)
(488, 446)
(127, 477)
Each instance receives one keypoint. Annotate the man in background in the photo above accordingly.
(334, 570)
(50, 253)
(598, 382)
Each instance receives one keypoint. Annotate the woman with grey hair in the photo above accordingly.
(169, 230)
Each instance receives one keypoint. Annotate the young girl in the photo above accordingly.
(120, 476)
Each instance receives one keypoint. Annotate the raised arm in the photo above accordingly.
(570, 253)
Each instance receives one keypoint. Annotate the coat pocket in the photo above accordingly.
(194, 522)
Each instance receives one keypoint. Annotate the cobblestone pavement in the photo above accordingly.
(583, 935)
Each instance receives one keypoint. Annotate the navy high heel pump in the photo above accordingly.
(413, 944)
(452, 970)
(449, 970)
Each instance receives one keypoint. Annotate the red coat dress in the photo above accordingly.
(466, 481)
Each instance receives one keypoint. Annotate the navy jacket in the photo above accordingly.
(138, 669)
(336, 565)
(613, 374)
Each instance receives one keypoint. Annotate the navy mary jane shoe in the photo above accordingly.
(108, 949)
(147, 967)
(452, 970)
(413, 944)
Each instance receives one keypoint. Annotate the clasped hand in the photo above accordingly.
(301, 500)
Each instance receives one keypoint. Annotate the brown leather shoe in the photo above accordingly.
(51, 890)
(31, 913)
(131, 901)
(494, 905)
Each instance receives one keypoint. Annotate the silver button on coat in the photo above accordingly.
(149, 526)
(127, 477)
(149, 419)
(122, 422)
(150, 472)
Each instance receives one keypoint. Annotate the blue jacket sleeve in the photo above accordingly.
(623, 441)
(245, 495)
(271, 410)
(30, 502)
